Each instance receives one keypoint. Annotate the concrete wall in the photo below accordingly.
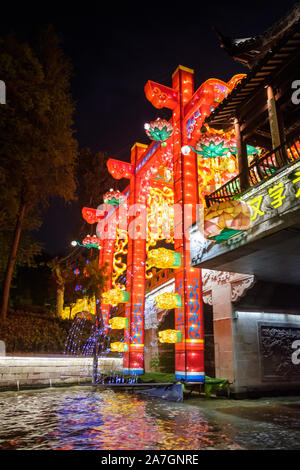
(222, 318)
(260, 369)
(151, 349)
(20, 372)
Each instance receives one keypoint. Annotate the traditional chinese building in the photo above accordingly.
(261, 329)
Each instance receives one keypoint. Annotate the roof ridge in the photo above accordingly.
(263, 41)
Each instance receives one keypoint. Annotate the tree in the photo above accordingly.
(38, 150)
(62, 276)
(93, 283)
(94, 179)
(93, 279)
(66, 281)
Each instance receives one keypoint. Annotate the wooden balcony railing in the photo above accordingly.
(259, 170)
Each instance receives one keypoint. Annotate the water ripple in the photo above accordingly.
(79, 418)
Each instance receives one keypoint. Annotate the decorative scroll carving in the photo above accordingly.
(210, 277)
(240, 283)
(207, 298)
(119, 169)
(161, 96)
(277, 348)
(238, 289)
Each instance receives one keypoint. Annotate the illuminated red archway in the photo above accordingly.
(183, 173)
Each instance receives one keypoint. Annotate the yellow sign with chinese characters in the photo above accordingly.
(274, 206)
(275, 196)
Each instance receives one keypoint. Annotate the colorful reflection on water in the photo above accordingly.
(83, 419)
(79, 418)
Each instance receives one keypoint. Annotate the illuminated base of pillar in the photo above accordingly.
(198, 377)
(133, 371)
(133, 359)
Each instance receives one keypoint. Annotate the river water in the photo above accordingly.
(80, 418)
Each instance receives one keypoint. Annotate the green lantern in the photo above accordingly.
(159, 130)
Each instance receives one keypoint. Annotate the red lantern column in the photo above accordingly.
(189, 354)
(108, 235)
(133, 359)
(107, 261)
(100, 266)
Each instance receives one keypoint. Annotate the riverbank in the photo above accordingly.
(82, 418)
(29, 372)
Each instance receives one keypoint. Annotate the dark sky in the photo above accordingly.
(115, 47)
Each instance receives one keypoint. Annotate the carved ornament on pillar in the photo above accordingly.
(240, 283)
(210, 278)
(207, 297)
(239, 288)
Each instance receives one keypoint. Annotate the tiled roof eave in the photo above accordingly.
(256, 45)
(255, 77)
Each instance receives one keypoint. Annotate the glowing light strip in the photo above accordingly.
(149, 154)
(120, 248)
(159, 202)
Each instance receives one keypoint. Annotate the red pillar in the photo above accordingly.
(189, 354)
(106, 230)
(133, 359)
(107, 260)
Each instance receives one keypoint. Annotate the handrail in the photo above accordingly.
(259, 170)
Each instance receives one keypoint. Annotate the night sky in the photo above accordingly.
(115, 48)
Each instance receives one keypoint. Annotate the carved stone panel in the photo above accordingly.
(279, 344)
